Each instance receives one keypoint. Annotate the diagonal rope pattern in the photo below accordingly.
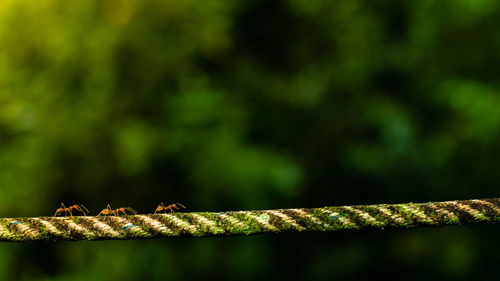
(198, 224)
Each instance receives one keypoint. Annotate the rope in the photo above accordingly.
(199, 224)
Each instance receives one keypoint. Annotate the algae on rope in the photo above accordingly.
(201, 224)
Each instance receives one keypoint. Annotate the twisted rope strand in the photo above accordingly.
(198, 224)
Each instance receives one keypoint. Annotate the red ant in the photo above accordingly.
(170, 207)
(63, 208)
(116, 212)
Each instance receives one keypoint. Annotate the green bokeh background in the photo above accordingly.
(230, 105)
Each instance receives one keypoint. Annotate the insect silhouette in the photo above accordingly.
(63, 208)
(171, 207)
(116, 212)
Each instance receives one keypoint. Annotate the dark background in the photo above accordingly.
(232, 105)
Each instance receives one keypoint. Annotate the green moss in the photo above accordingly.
(9, 226)
(408, 218)
(380, 220)
(250, 225)
(44, 233)
(28, 223)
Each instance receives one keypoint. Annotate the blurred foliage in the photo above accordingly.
(249, 104)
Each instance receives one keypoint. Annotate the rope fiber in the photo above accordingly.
(199, 224)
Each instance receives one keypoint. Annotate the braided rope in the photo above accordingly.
(200, 224)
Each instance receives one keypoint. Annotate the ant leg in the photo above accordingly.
(132, 210)
(83, 209)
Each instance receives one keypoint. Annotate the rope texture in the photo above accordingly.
(198, 224)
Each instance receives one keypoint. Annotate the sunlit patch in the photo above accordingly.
(265, 217)
(5, 5)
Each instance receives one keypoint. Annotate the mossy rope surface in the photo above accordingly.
(200, 224)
